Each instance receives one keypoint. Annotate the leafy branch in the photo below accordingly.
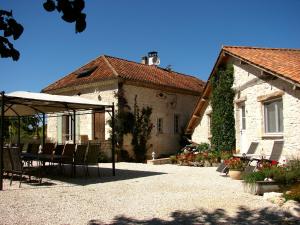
(71, 12)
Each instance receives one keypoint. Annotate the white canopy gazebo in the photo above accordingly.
(22, 103)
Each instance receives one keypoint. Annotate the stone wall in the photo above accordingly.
(201, 133)
(164, 105)
(249, 86)
(104, 92)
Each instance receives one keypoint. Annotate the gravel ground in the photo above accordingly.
(139, 194)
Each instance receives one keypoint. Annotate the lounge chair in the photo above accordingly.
(275, 153)
(275, 156)
(251, 150)
(92, 157)
(222, 168)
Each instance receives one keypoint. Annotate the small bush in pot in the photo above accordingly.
(235, 164)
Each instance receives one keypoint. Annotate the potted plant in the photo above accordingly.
(267, 178)
(236, 167)
(258, 183)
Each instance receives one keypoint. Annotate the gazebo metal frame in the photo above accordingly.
(18, 104)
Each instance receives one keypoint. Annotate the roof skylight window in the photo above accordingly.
(86, 72)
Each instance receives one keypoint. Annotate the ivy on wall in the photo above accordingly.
(222, 117)
(141, 131)
(124, 119)
(137, 123)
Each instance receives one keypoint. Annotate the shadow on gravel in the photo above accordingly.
(219, 216)
(105, 176)
(54, 177)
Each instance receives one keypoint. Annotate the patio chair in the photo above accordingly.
(7, 165)
(222, 168)
(17, 166)
(275, 153)
(251, 150)
(47, 153)
(67, 155)
(92, 157)
(79, 156)
(275, 156)
(59, 148)
(31, 153)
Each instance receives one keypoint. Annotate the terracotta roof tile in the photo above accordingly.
(108, 67)
(281, 61)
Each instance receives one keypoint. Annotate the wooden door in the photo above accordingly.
(99, 126)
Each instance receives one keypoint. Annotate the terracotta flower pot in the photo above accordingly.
(235, 174)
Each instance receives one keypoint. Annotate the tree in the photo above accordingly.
(141, 131)
(222, 118)
(71, 12)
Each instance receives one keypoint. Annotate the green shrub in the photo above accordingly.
(225, 155)
(293, 193)
(253, 177)
(203, 147)
(173, 159)
(284, 175)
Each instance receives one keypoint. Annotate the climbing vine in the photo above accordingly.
(136, 123)
(124, 119)
(141, 131)
(222, 118)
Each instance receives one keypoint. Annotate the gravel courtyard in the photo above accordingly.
(139, 194)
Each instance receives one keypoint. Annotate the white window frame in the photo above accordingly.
(266, 125)
(68, 123)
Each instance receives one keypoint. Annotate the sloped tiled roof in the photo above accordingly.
(281, 61)
(107, 67)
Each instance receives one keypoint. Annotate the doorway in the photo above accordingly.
(243, 126)
(99, 126)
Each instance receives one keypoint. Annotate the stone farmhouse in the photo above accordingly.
(267, 99)
(171, 95)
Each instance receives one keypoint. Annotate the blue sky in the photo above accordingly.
(187, 35)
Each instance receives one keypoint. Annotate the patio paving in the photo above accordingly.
(139, 194)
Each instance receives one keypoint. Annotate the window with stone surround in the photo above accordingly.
(273, 116)
(160, 125)
(176, 123)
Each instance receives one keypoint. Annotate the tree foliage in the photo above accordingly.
(71, 12)
(10, 27)
(29, 127)
(137, 123)
(222, 118)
